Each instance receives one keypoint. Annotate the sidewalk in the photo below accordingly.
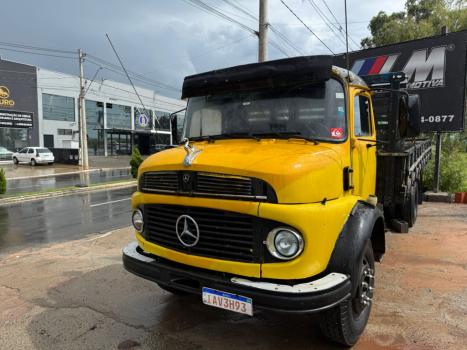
(26, 181)
(25, 171)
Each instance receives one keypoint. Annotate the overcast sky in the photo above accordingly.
(167, 40)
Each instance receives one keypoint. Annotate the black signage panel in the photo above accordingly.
(16, 119)
(435, 68)
(18, 97)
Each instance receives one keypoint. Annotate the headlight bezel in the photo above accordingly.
(136, 212)
(271, 243)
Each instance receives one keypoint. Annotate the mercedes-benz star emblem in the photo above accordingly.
(187, 230)
(186, 178)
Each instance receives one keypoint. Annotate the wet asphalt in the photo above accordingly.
(63, 218)
(33, 184)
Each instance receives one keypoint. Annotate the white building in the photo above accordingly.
(114, 115)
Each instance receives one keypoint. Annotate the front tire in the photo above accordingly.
(345, 323)
(33, 162)
(15, 161)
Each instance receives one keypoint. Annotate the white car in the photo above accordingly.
(33, 156)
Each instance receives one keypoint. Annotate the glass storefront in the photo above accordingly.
(164, 120)
(56, 107)
(118, 116)
(12, 140)
(95, 126)
(118, 143)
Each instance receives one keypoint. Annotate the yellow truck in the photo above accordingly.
(274, 200)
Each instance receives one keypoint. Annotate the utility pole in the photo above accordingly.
(263, 31)
(83, 139)
(436, 175)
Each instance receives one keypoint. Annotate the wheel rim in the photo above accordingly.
(364, 296)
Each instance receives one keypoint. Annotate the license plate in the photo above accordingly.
(228, 301)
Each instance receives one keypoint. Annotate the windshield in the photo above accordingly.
(313, 111)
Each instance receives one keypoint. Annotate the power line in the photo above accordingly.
(276, 46)
(325, 20)
(207, 8)
(337, 22)
(276, 31)
(37, 53)
(285, 39)
(37, 48)
(116, 69)
(203, 54)
(241, 9)
(309, 29)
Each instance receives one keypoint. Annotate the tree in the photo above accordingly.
(2, 181)
(421, 18)
(135, 161)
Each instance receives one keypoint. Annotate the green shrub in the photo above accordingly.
(135, 162)
(2, 181)
(453, 170)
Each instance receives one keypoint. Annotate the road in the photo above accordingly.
(63, 218)
(76, 295)
(43, 183)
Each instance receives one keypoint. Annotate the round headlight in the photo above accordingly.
(137, 219)
(284, 243)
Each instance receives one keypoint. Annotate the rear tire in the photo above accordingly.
(51, 163)
(172, 290)
(33, 162)
(345, 323)
(409, 211)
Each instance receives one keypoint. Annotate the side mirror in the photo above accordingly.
(414, 109)
(409, 115)
(173, 125)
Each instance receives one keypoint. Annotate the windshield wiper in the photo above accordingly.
(286, 135)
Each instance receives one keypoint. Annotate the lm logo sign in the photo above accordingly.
(424, 69)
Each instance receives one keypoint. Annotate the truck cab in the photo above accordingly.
(269, 203)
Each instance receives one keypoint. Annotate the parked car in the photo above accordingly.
(33, 156)
(5, 154)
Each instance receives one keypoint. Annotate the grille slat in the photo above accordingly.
(190, 183)
(223, 235)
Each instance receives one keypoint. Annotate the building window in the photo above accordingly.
(118, 143)
(56, 107)
(95, 127)
(49, 141)
(164, 120)
(65, 132)
(118, 116)
(13, 139)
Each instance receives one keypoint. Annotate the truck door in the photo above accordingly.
(363, 146)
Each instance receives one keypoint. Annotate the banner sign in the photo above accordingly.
(435, 68)
(15, 119)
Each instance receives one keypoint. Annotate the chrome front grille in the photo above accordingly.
(162, 181)
(232, 185)
(203, 184)
(222, 234)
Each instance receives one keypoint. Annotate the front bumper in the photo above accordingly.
(308, 297)
(44, 160)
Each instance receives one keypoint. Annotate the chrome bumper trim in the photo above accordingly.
(327, 282)
(324, 283)
(130, 250)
